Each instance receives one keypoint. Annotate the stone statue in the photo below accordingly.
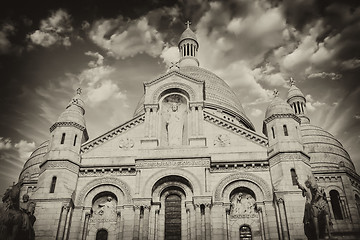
(174, 126)
(16, 223)
(104, 208)
(316, 213)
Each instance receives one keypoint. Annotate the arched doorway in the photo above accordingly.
(102, 234)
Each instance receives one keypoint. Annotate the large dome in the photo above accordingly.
(325, 150)
(218, 95)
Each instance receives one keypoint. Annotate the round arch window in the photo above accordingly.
(245, 233)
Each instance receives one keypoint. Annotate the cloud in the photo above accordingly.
(6, 30)
(357, 116)
(98, 62)
(312, 105)
(332, 76)
(25, 149)
(256, 112)
(169, 55)
(351, 63)
(53, 30)
(127, 38)
(5, 143)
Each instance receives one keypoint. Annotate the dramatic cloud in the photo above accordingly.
(53, 30)
(312, 105)
(6, 30)
(127, 38)
(5, 143)
(170, 55)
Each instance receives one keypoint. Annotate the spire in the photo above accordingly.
(188, 47)
(297, 101)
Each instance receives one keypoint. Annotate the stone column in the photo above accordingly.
(83, 224)
(200, 120)
(136, 222)
(198, 221)
(62, 222)
(193, 120)
(145, 234)
(217, 223)
(147, 122)
(207, 221)
(259, 209)
(282, 213)
(118, 224)
(128, 214)
(227, 232)
(67, 223)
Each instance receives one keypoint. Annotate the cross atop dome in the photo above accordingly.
(188, 23)
(276, 93)
(78, 91)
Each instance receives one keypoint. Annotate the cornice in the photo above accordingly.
(252, 136)
(112, 133)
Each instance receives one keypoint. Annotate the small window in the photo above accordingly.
(75, 140)
(53, 183)
(245, 233)
(293, 176)
(298, 105)
(336, 204)
(285, 130)
(62, 138)
(273, 132)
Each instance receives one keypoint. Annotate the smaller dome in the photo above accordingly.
(74, 111)
(294, 91)
(188, 34)
(278, 106)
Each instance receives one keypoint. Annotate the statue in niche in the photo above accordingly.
(174, 119)
(316, 214)
(104, 208)
(242, 204)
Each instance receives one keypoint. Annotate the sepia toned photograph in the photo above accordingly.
(180, 119)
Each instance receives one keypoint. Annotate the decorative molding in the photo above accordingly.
(261, 183)
(112, 133)
(179, 85)
(73, 167)
(193, 180)
(252, 136)
(282, 115)
(99, 172)
(244, 166)
(67, 124)
(172, 163)
(124, 187)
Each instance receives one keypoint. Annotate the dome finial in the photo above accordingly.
(188, 23)
(78, 91)
(292, 81)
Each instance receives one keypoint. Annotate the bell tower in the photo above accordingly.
(188, 48)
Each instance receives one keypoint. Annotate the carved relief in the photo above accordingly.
(222, 140)
(126, 143)
(242, 205)
(104, 209)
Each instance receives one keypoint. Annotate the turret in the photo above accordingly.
(297, 101)
(282, 127)
(59, 172)
(188, 48)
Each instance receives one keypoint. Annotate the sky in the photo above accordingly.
(50, 48)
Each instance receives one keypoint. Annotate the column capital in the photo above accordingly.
(196, 104)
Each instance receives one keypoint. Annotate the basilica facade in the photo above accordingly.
(190, 165)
